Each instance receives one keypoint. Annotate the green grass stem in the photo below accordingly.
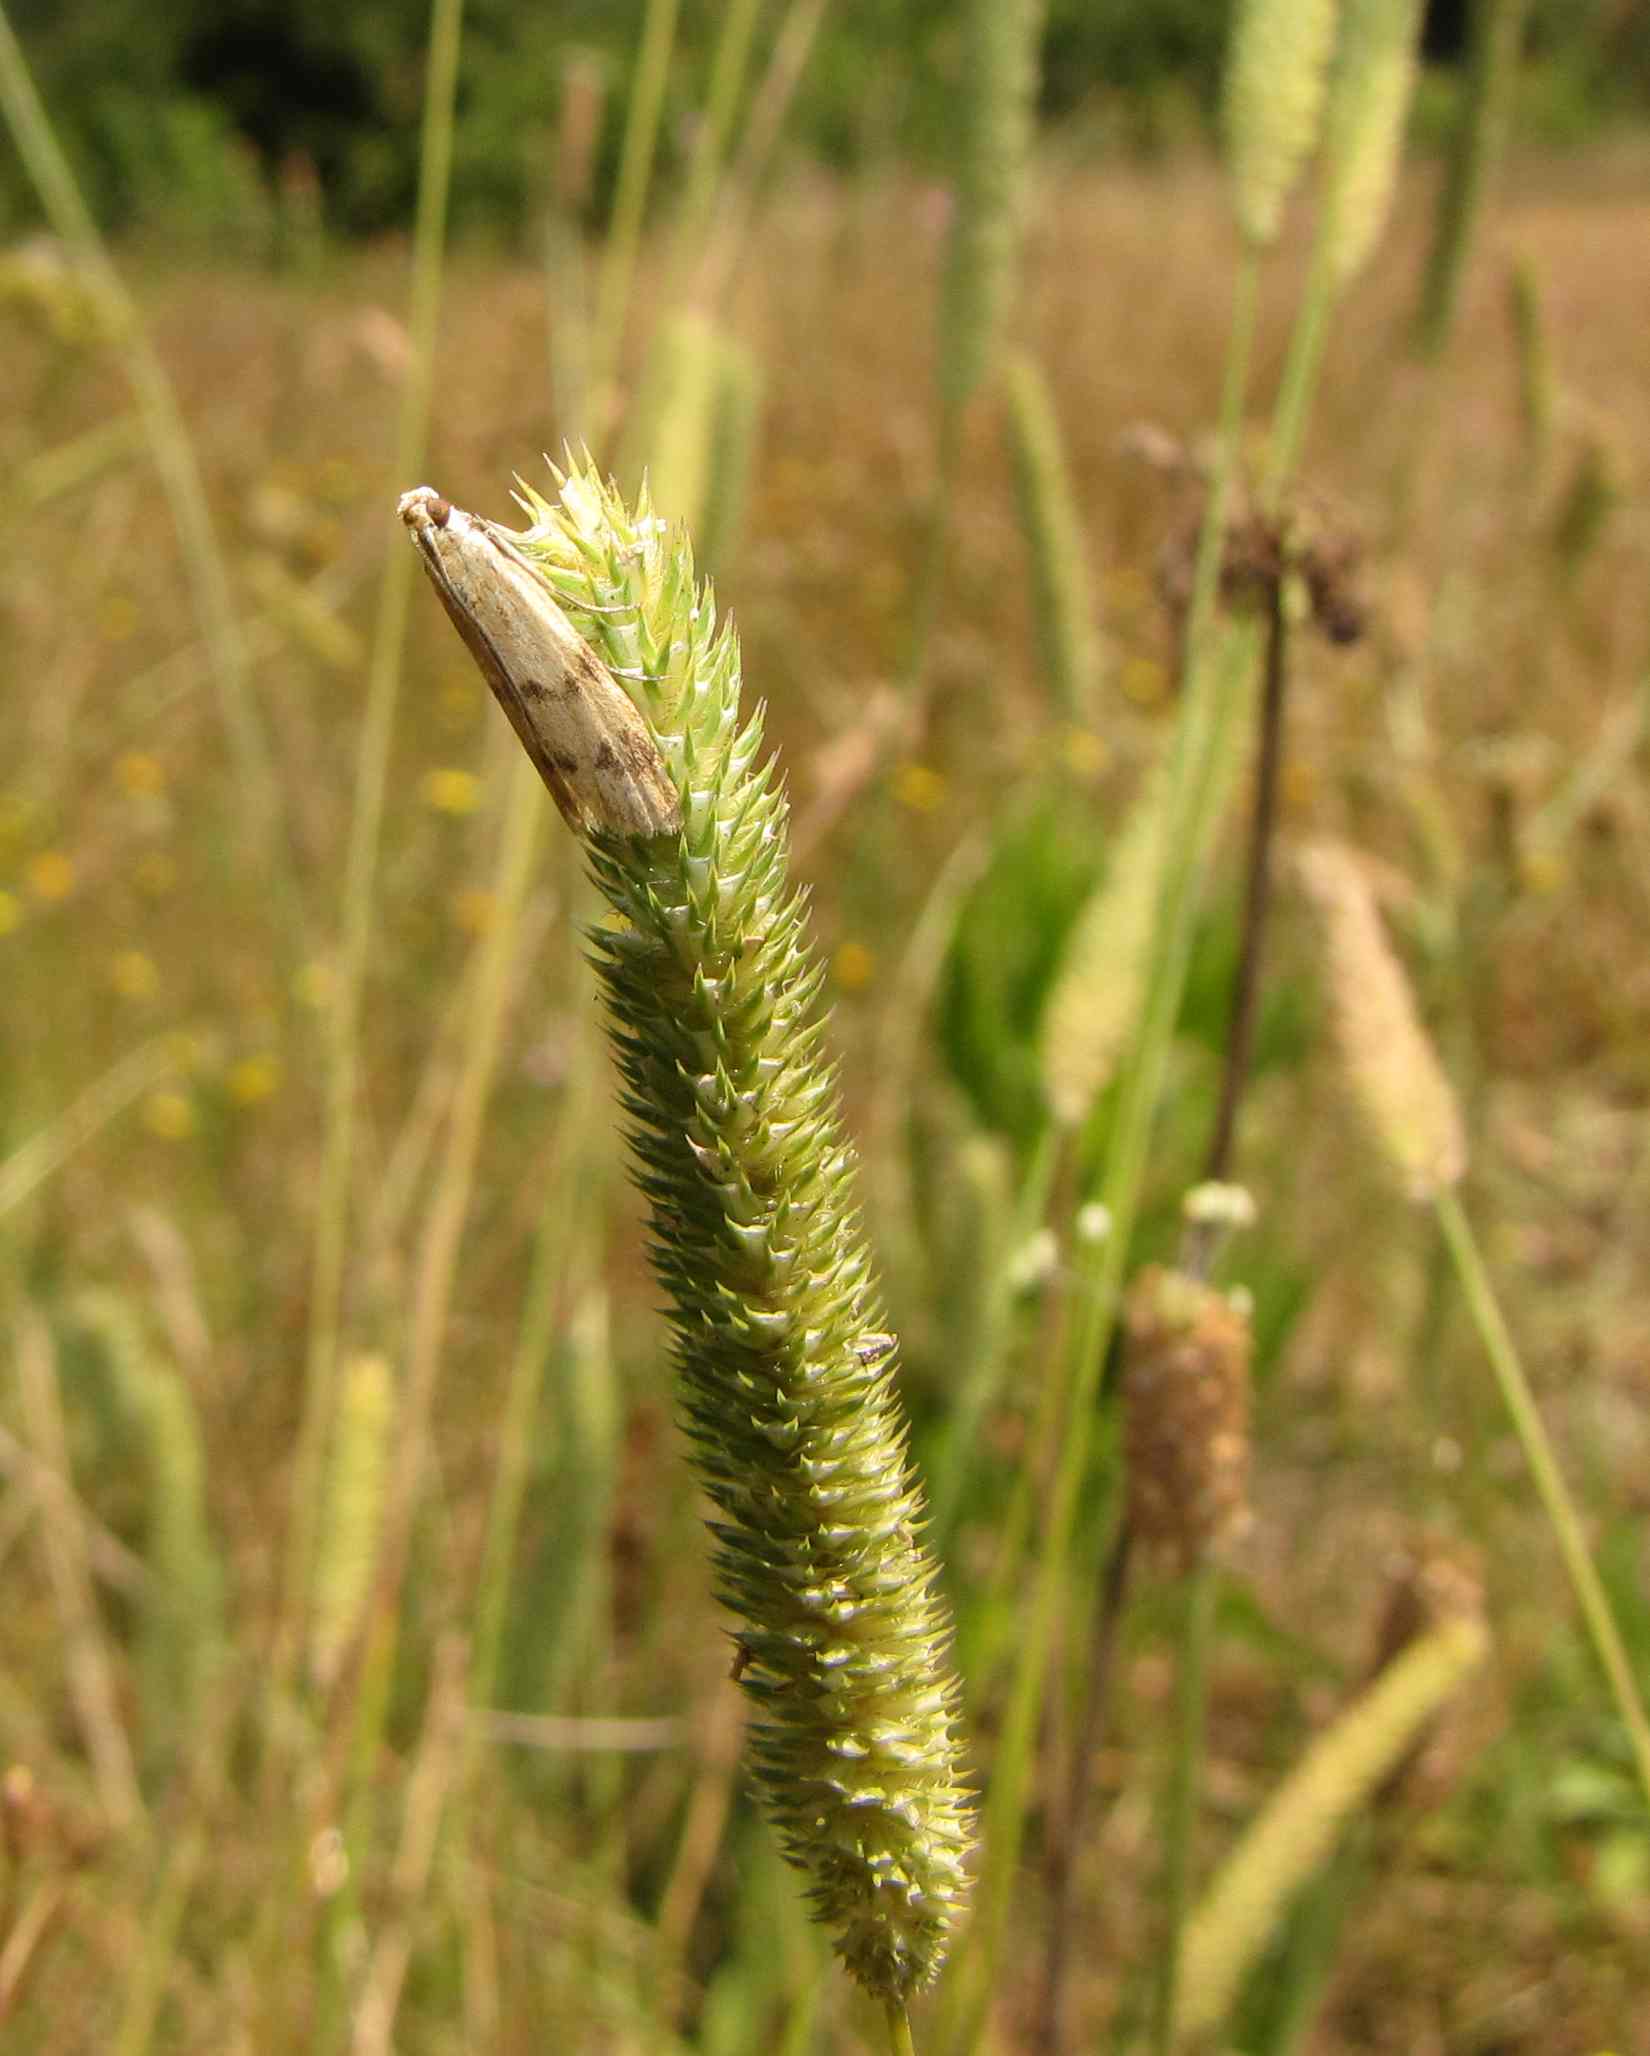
(1496, 38)
(618, 263)
(35, 1162)
(729, 67)
(1559, 1507)
(899, 2032)
(982, 1376)
(343, 1038)
(1181, 1807)
(563, 1244)
(729, 236)
(455, 1177)
(1213, 690)
(175, 462)
(90, 1671)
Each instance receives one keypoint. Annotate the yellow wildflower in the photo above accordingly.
(255, 1078)
(1085, 753)
(451, 791)
(170, 1115)
(51, 875)
(920, 788)
(133, 975)
(139, 772)
(853, 966)
(1144, 681)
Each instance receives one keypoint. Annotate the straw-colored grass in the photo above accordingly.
(585, 1894)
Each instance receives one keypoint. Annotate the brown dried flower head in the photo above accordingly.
(1186, 1402)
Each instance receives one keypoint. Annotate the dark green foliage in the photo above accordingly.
(786, 1373)
(1004, 957)
(188, 111)
(1284, 1028)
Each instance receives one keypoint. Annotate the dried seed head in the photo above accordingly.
(1390, 1062)
(1186, 1395)
(1374, 76)
(1275, 79)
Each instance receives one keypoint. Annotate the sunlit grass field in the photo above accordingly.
(591, 1877)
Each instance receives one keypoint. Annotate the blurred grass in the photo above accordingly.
(1509, 1905)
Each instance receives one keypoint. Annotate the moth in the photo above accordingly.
(585, 736)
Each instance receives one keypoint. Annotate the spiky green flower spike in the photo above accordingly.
(786, 1369)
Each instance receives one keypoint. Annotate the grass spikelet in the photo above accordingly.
(1000, 51)
(1298, 1827)
(153, 1415)
(1394, 1071)
(1276, 75)
(1102, 982)
(1186, 1399)
(1374, 76)
(351, 1511)
(785, 1365)
(1062, 601)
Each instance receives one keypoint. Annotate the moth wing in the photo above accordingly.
(586, 738)
(598, 744)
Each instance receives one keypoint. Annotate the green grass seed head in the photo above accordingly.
(1000, 52)
(1276, 75)
(1299, 1825)
(1062, 598)
(781, 1343)
(1369, 103)
(182, 1628)
(351, 1511)
(1101, 983)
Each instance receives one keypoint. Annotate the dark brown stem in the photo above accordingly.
(1240, 1033)
(1066, 1834)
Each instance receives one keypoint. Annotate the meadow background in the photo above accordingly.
(360, 1684)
